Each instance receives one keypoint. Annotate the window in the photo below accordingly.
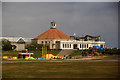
(68, 45)
(87, 45)
(21, 42)
(57, 41)
(42, 42)
(63, 46)
(80, 45)
(45, 41)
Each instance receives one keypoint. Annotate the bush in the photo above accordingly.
(6, 45)
(112, 51)
(34, 46)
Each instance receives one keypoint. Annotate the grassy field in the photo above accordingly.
(60, 70)
(36, 53)
(76, 53)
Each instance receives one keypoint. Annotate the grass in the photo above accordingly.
(111, 57)
(76, 53)
(60, 70)
(10, 53)
(36, 53)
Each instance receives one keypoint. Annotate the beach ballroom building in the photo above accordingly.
(55, 39)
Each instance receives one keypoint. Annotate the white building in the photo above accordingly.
(80, 44)
(56, 39)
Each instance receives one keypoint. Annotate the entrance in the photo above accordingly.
(75, 46)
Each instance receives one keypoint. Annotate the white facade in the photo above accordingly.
(70, 44)
(74, 44)
(52, 43)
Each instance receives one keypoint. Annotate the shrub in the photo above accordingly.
(34, 46)
(6, 45)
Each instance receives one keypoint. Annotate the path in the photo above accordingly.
(64, 52)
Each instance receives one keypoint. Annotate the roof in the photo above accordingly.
(16, 39)
(92, 36)
(53, 34)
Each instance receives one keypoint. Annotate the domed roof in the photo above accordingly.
(53, 34)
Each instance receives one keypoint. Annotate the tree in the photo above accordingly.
(6, 45)
(34, 46)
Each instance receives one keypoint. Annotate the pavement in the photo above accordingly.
(64, 52)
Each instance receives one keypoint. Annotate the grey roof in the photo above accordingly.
(16, 39)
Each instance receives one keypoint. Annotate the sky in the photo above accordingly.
(0, 18)
(24, 19)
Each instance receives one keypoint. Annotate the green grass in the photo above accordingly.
(10, 53)
(111, 57)
(60, 70)
(36, 53)
(76, 53)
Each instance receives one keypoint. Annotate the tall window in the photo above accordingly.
(42, 42)
(63, 45)
(87, 45)
(45, 41)
(80, 45)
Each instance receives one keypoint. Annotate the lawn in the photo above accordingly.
(76, 53)
(36, 53)
(60, 70)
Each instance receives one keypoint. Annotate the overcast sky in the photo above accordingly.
(87, 18)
